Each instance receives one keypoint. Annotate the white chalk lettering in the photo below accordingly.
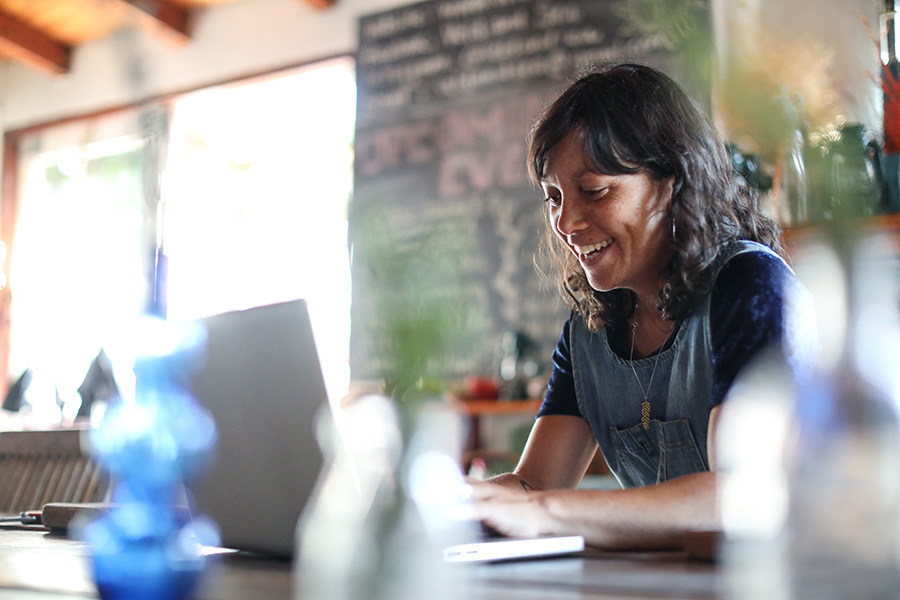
(553, 65)
(406, 72)
(508, 49)
(510, 23)
(465, 32)
(585, 36)
(406, 47)
(393, 23)
(462, 8)
(548, 15)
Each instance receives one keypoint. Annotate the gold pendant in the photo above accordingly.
(645, 414)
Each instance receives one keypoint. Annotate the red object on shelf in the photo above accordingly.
(890, 84)
(481, 388)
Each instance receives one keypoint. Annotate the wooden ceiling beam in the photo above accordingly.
(167, 19)
(21, 42)
(321, 4)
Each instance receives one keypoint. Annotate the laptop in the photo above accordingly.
(262, 383)
(483, 545)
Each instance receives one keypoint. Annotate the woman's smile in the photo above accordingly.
(591, 254)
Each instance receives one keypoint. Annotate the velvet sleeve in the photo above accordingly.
(560, 397)
(746, 314)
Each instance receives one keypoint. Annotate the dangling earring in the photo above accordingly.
(673, 229)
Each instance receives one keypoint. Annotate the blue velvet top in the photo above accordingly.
(746, 314)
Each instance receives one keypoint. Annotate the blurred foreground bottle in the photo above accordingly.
(384, 508)
(790, 182)
(810, 498)
(843, 467)
(854, 165)
(149, 546)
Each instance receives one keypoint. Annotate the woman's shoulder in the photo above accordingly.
(741, 266)
(748, 265)
(750, 290)
(747, 312)
(749, 252)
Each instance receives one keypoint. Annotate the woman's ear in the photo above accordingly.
(670, 190)
(665, 193)
(670, 202)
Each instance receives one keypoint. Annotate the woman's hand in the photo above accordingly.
(509, 511)
(556, 456)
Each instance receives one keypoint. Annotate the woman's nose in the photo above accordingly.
(570, 217)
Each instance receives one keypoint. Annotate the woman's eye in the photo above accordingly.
(552, 199)
(595, 193)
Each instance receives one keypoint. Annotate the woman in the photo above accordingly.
(675, 282)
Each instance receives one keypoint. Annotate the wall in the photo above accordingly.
(231, 40)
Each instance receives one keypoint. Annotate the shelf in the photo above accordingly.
(494, 407)
(795, 236)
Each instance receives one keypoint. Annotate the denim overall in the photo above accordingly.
(610, 398)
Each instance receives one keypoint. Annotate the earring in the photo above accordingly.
(673, 229)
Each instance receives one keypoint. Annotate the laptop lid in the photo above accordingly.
(262, 382)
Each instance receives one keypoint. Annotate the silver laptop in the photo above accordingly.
(263, 385)
(262, 382)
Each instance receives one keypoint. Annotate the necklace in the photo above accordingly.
(645, 405)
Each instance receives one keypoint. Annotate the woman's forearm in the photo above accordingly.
(512, 481)
(649, 517)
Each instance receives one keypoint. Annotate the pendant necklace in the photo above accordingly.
(645, 405)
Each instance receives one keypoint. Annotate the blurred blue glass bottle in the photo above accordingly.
(151, 441)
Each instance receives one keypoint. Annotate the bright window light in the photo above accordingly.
(254, 189)
(76, 273)
(255, 196)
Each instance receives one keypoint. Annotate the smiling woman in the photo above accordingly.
(675, 282)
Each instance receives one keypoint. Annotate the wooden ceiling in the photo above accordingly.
(44, 33)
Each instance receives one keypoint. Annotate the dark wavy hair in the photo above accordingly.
(636, 119)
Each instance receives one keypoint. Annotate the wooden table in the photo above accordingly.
(35, 565)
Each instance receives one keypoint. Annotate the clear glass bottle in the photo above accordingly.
(809, 454)
(790, 181)
(842, 532)
(383, 509)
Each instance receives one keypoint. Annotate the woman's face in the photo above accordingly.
(616, 225)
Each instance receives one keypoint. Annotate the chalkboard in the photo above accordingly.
(447, 93)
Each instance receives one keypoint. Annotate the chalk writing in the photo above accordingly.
(476, 148)
(405, 47)
(454, 9)
(508, 49)
(393, 23)
(555, 14)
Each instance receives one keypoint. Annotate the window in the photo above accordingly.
(254, 188)
(77, 259)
